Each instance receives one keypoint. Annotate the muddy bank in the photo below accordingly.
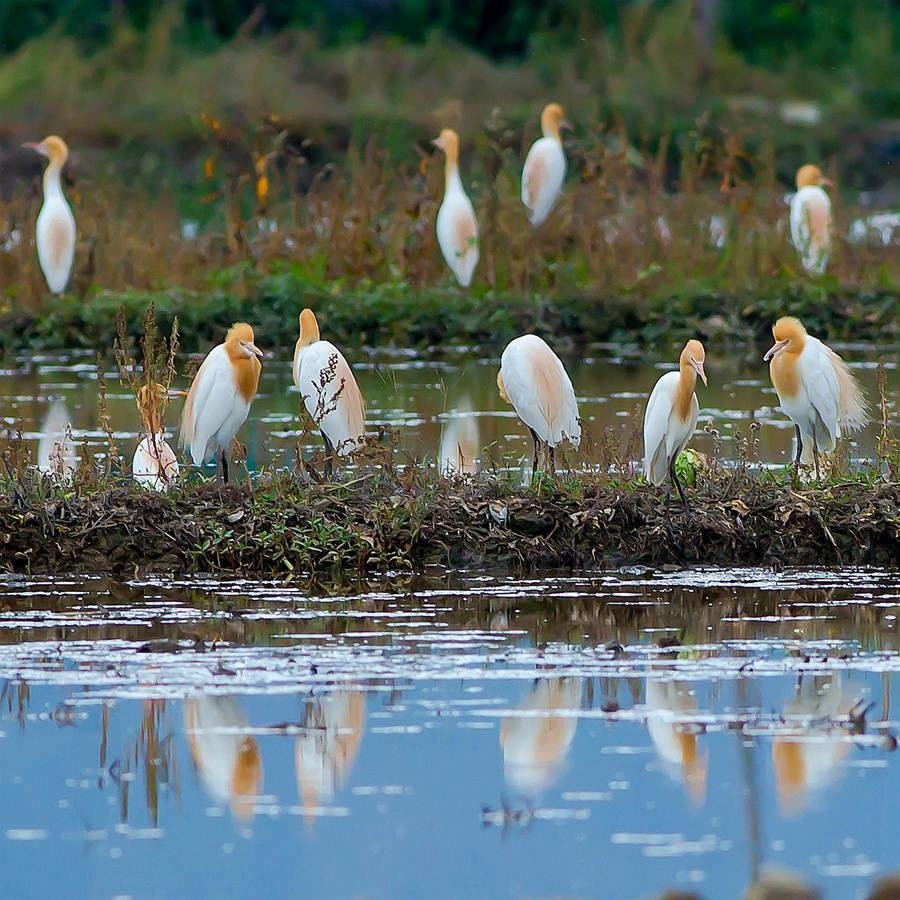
(280, 530)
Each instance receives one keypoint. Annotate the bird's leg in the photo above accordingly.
(534, 462)
(816, 454)
(552, 452)
(677, 483)
(224, 466)
(329, 458)
(799, 448)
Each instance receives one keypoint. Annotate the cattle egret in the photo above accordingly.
(816, 389)
(218, 402)
(457, 229)
(671, 416)
(545, 166)
(533, 380)
(55, 235)
(154, 465)
(329, 391)
(811, 224)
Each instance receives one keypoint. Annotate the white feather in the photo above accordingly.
(55, 236)
(665, 435)
(154, 465)
(343, 422)
(813, 252)
(456, 214)
(546, 162)
(540, 390)
(218, 409)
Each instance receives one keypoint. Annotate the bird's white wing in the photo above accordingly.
(656, 426)
(457, 234)
(820, 381)
(211, 402)
(542, 178)
(336, 407)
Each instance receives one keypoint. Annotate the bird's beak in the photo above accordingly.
(566, 125)
(826, 182)
(437, 142)
(777, 347)
(38, 148)
(700, 371)
(174, 393)
(254, 349)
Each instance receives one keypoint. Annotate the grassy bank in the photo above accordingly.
(281, 529)
(362, 314)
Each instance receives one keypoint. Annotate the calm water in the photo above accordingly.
(454, 735)
(438, 406)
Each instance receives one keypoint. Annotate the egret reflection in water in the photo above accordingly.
(460, 447)
(226, 757)
(324, 754)
(537, 738)
(671, 705)
(808, 753)
(56, 446)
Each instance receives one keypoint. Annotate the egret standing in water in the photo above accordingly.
(533, 380)
(671, 416)
(329, 391)
(154, 465)
(457, 228)
(218, 402)
(816, 390)
(811, 222)
(545, 166)
(55, 236)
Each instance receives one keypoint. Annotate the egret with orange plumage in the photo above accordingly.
(816, 389)
(329, 391)
(55, 233)
(533, 380)
(811, 223)
(218, 402)
(154, 465)
(545, 166)
(457, 228)
(671, 416)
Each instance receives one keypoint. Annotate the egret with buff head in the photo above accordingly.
(811, 221)
(329, 391)
(55, 231)
(457, 228)
(817, 391)
(671, 416)
(545, 166)
(218, 402)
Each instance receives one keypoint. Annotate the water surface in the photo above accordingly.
(449, 735)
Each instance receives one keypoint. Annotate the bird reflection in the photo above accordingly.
(670, 707)
(459, 442)
(56, 446)
(324, 753)
(808, 752)
(535, 745)
(226, 758)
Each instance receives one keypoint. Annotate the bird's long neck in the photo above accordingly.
(53, 179)
(687, 381)
(451, 171)
(309, 333)
(784, 372)
(551, 130)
